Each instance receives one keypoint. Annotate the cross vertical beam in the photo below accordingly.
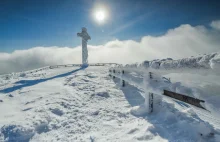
(85, 37)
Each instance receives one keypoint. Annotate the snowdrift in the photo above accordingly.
(209, 63)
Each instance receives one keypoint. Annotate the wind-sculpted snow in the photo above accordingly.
(197, 64)
(80, 105)
(215, 62)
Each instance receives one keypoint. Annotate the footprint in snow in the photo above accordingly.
(57, 111)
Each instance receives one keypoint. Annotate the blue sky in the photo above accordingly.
(29, 23)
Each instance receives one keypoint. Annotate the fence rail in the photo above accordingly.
(123, 75)
(57, 66)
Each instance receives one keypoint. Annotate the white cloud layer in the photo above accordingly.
(183, 41)
(215, 24)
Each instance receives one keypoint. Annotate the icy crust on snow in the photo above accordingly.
(210, 61)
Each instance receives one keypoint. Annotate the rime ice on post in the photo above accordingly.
(85, 37)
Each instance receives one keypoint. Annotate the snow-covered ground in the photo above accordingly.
(85, 104)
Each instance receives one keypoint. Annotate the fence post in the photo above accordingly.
(150, 75)
(122, 81)
(149, 97)
(113, 73)
(110, 73)
(148, 103)
(151, 102)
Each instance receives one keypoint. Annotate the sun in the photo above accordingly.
(100, 13)
(100, 16)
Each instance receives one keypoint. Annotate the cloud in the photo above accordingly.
(215, 24)
(180, 42)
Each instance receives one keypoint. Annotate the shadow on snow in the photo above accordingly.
(131, 93)
(168, 122)
(26, 83)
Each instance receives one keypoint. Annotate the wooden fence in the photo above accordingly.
(149, 97)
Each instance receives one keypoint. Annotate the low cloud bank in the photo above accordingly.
(215, 24)
(183, 41)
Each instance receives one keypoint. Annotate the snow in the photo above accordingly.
(204, 64)
(215, 62)
(85, 104)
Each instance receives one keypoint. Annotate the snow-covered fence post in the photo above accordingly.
(151, 102)
(122, 81)
(150, 75)
(149, 97)
(110, 73)
(148, 103)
